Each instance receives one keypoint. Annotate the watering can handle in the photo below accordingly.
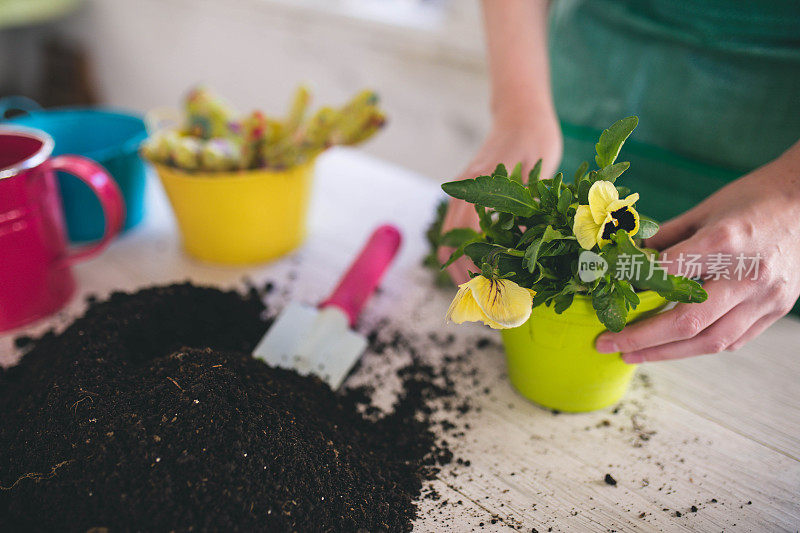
(17, 103)
(363, 276)
(107, 192)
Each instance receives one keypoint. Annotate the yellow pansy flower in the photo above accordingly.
(606, 213)
(498, 303)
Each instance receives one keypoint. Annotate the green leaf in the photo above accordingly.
(457, 253)
(458, 236)
(627, 291)
(558, 179)
(547, 199)
(581, 171)
(500, 170)
(433, 236)
(684, 291)
(501, 236)
(484, 219)
(612, 172)
(499, 230)
(555, 243)
(543, 296)
(562, 302)
(434, 232)
(542, 190)
(516, 174)
(479, 251)
(542, 246)
(583, 192)
(535, 173)
(626, 261)
(483, 254)
(505, 221)
(551, 234)
(498, 193)
(610, 308)
(556, 248)
(612, 139)
(530, 234)
(531, 255)
(564, 201)
(623, 254)
(604, 286)
(647, 228)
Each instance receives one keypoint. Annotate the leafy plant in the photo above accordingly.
(434, 237)
(533, 234)
(213, 137)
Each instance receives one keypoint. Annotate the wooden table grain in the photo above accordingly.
(705, 444)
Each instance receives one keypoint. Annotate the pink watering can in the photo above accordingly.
(35, 276)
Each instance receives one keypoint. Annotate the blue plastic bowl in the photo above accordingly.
(112, 139)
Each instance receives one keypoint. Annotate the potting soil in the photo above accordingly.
(149, 414)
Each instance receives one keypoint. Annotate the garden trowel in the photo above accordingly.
(318, 340)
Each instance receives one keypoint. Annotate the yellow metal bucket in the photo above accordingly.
(552, 360)
(239, 217)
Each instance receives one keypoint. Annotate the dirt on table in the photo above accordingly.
(149, 414)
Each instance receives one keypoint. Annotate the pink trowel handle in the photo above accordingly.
(363, 276)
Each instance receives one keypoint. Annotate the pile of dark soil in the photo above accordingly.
(149, 414)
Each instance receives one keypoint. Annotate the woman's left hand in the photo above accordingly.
(756, 218)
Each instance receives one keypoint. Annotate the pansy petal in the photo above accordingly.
(464, 308)
(635, 229)
(503, 301)
(609, 220)
(492, 324)
(625, 202)
(601, 194)
(631, 199)
(619, 204)
(585, 228)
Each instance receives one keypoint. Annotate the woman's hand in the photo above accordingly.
(525, 126)
(524, 138)
(755, 217)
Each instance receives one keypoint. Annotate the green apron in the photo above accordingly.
(715, 83)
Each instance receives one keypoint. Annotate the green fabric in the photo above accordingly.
(715, 83)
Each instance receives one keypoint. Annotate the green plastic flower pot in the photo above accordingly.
(552, 360)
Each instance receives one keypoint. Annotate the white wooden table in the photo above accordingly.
(721, 433)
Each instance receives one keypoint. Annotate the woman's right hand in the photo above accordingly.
(521, 137)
